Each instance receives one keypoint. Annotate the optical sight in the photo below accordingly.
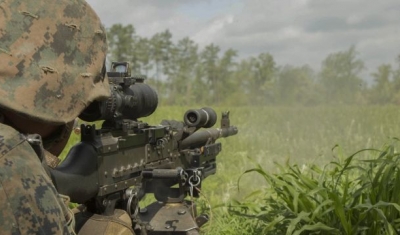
(130, 97)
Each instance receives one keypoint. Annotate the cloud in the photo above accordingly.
(295, 32)
(307, 31)
(148, 17)
(206, 34)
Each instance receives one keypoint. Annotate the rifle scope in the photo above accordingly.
(130, 97)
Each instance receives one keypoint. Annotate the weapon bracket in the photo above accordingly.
(109, 203)
(206, 158)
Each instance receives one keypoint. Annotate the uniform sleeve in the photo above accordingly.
(29, 202)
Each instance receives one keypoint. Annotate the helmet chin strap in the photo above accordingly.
(52, 145)
(56, 142)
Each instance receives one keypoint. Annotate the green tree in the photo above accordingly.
(199, 92)
(121, 43)
(160, 50)
(395, 84)
(240, 81)
(224, 84)
(261, 78)
(295, 85)
(209, 60)
(382, 91)
(181, 72)
(160, 47)
(142, 50)
(340, 76)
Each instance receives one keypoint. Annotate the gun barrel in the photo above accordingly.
(200, 138)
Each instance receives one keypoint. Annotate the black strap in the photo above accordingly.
(35, 140)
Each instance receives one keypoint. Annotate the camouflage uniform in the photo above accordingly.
(52, 55)
(29, 202)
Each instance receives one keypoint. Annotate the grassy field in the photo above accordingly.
(294, 135)
(302, 136)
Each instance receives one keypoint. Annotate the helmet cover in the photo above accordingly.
(52, 55)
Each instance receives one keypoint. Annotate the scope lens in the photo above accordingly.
(120, 68)
(192, 117)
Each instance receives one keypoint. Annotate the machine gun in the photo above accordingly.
(115, 166)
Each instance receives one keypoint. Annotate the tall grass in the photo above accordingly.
(349, 196)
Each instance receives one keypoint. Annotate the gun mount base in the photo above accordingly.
(169, 218)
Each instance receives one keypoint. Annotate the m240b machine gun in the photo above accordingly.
(115, 166)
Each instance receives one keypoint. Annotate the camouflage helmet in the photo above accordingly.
(52, 55)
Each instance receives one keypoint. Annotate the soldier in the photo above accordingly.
(52, 55)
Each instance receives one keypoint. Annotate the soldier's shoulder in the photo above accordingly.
(9, 139)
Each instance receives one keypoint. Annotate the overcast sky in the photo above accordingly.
(295, 32)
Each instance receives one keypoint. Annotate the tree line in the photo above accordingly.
(184, 74)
